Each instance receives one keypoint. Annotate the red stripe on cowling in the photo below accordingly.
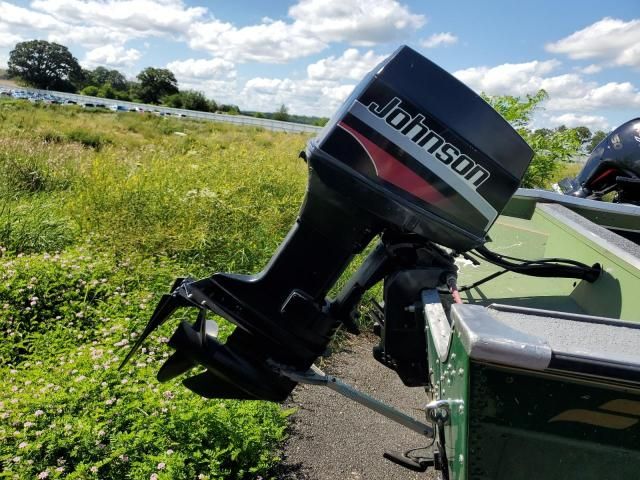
(603, 175)
(395, 172)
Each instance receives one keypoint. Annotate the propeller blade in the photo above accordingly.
(176, 365)
(207, 328)
(209, 386)
(211, 329)
(180, 361)
(201, 326)
(167, 305)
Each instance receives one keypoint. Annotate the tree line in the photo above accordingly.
(51, 66)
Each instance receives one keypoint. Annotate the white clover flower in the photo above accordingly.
(38, 413)
(23, 445)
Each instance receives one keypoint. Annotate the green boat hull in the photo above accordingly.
(539, 378)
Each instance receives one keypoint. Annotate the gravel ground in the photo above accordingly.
(333, 438)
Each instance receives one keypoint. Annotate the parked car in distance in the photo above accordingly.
(118, 108)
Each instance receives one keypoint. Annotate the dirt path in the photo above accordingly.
(333, 438)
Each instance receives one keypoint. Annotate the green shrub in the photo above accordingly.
(30, 167)
(33, 228)
(91, 91)
(88, 139)
(551, 147)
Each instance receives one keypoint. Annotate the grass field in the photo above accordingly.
(98, 214)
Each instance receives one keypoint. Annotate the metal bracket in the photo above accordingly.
(439, 411)
(436, 319)
(315, 376)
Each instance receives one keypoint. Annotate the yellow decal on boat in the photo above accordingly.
(602, 419)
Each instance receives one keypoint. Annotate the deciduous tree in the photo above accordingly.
(44, 64)
(550, 146)
(156, 83)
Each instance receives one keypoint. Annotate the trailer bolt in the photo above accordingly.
(410, 309)
(461, 371)
(461, 458)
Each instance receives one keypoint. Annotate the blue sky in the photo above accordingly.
(308, 54)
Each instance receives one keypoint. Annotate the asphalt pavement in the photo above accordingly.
(333, 438)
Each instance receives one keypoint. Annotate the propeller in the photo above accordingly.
(180, 362)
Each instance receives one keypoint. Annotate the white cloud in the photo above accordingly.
(203, 69)
(8, 39)
(594, 122)
(114, 56)
(359, 22)
(89, 36)
(316, 24)
(437, 39)
(350, 65)
(590, 69)
(306, 96)
(569, 94)
(274, 42)
(19, 17)
(593, 97)
(96, 23)
(222, 91)
(138, 17)
(329, 82)
(310, 27)
(508, 78)
(566, 91)
(612, 40)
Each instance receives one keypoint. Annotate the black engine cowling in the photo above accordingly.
(614, 165)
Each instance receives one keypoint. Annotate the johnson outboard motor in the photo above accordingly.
(413, 157)
(613, 166)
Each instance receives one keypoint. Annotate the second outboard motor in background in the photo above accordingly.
(613, 166)
(414, 156)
